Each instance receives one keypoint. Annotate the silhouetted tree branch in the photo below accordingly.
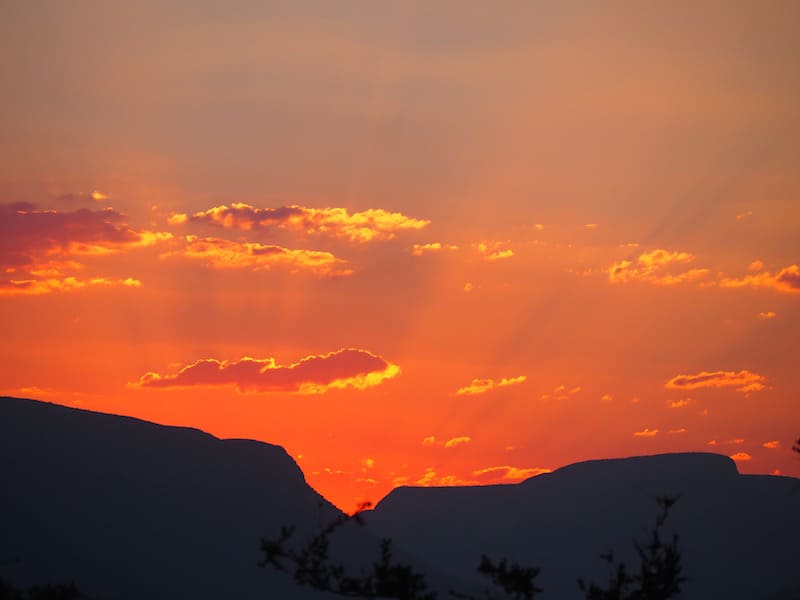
(660, 571)
(659, 577)
(311, 565)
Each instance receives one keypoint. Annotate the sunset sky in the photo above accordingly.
(418, 243)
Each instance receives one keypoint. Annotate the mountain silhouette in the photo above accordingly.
(737, 533)
(128, 509)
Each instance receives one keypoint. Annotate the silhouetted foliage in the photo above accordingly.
(57, 591)
(659, 577)
(660, 570)
(311, 565)
(796, 446)
(516, 582)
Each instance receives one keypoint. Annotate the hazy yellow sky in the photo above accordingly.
(414, 243)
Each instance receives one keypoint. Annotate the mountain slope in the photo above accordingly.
(130, 509)
(738, 533)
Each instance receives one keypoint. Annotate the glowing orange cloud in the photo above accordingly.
(346, 368)
(226, 254)
(36, 247)
(492, 251)
(680, 403)
(506, 472)
(786, 280)
(767, 315)
(646, 433)
(772, 444)
(457, 441)
(481, 386)
(36, 287)
(741, 457)
(365, 226)
(744, 381)
(656, 267)
(431, 479)
(420, 249)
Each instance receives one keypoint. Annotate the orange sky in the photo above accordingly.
(421, 244)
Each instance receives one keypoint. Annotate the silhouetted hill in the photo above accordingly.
(738, 533)
(129, 509)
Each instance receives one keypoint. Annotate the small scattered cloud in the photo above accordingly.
(226, 254)
(468, 287)
(606, 398)
(659, 267)
(457, 441)
(756, 265)
(508, 473)
(432, 479)
(744, 215)
(677, 431)
(682, 403)
(712, 442)
(591, 225)
(767, 315)
(451, 443)
(481, 386)
(744, 381)
(786, 280)
(772, 444)
(741, 457)
(360, 227)
(316, 374)
(646, 433)
(433, 247)
(98, 196)
(561, 392)
(492, 251)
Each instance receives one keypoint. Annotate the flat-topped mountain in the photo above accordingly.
(128, 509)
(737, 533)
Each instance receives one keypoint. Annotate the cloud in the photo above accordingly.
(659, 267)
(316, 374)
(683, 403)
(39, 248)
(431, 479)
(744, 215)
(767, 315)
(227, 254)
(457, 441)
(420, 249)
(492, 251)
(677, 431)
(508, 473)
(365, 226)
(756, 265)
(451, 443)
(741, 457)
(481, 386)
(99, 196)
(786, 280)
(37, 287)
(560, 392)
(772, 444)
(744, 381)
(646, 433)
